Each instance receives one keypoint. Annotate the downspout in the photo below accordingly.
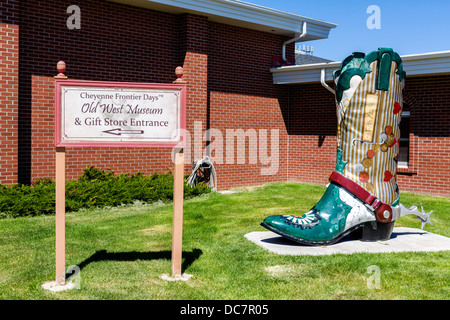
(322, 81)
(283, 50)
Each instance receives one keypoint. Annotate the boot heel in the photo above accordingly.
(376, 231)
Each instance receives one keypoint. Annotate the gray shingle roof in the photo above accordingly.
(308, 59)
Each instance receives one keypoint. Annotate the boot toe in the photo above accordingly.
(275, 221)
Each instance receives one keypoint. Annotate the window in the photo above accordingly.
(403, 155)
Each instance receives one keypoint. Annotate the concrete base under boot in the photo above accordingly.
(402, 239)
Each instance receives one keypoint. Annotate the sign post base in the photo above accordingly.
(182, 277)
(54, 286)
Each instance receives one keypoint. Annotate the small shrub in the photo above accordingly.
(94, 189)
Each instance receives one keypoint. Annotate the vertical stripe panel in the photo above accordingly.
(352, 128)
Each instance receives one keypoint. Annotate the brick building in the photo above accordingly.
(228, 50)
(424, 165)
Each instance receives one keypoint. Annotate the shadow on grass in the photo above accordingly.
(103, 255)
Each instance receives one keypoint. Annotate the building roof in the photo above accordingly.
(242, 14)
(432, 63)
(301, 58)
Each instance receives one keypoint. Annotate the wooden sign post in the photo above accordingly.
(119, 114)
(60, 218)
(177, 228)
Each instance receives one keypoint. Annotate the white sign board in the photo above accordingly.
(92, 113)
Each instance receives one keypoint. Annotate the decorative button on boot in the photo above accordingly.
(363, 192)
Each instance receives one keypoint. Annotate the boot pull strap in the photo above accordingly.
(383, 211)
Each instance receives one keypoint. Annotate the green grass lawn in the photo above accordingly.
(123, 251)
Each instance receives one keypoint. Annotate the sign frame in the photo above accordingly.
(60, 163)
(176, 87)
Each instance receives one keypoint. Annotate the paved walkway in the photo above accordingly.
(402, 239)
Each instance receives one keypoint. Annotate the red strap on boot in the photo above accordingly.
(383, 211)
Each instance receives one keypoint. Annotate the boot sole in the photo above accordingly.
(374, 231)
(365, 232)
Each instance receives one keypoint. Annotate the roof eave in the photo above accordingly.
(433, 63)
(239, 13)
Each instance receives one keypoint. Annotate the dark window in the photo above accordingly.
(403, 155)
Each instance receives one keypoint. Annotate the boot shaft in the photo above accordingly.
(369, 104)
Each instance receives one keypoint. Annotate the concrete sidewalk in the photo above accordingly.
(402, 240)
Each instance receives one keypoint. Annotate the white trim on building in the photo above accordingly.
(242, 14)
(433, 63)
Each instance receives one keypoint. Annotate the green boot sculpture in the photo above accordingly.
(362, 195)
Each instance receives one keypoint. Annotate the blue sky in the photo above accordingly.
(409, 27)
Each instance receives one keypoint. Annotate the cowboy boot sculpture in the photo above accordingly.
(362, 194)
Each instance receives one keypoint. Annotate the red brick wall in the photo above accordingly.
(105, 48)
(229, 87)
(242, 96)
(312, 133)
(194, 45)
(429, 167)
(9, 64)
(124, 43)
(258, 118)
